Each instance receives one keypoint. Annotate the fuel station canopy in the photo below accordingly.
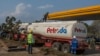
(87, 13)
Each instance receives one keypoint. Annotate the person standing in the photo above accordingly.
(45, 17)
(30, 41)
(74, 45)
(92, 43)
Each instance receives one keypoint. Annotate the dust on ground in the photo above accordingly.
(37, 51)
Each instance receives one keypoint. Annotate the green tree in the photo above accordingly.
(96, 27)
(16, 26)
(10, 26)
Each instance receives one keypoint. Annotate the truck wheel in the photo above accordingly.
(56, 45)
(65, 48)
(83, 51)
(80, 51)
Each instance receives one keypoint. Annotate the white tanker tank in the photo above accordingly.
(63, 29)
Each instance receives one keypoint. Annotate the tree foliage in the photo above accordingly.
(95, 27)
(10, 25)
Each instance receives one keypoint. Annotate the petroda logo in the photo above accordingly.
(80, 30)
(56, 30)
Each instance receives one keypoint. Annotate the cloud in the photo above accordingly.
(20, 11)
(20, 8)
(45, 6)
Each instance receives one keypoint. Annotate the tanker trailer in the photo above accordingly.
(58, 35)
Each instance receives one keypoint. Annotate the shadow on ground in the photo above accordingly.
(91, 52)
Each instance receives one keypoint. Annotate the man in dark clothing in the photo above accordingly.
(45, 17)
(74, 45)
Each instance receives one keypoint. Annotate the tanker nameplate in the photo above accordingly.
(56, 30)
(80, 30)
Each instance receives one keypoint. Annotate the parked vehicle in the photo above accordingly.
(58, 35)
(21, 35)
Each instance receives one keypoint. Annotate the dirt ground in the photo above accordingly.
(36, 52)
(39, 51)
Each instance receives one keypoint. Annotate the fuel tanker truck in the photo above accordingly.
(58, 35)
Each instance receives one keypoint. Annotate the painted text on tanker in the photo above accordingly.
(56, 30)
(80, 30)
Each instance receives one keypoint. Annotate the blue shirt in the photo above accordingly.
(74, 43)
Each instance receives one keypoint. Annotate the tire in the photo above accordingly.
(65, 48)
(3, 34)
(56, 45)
(82, 51)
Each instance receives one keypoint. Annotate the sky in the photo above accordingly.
(31, 10)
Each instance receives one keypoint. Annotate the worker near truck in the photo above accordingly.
(74, 45)
(30, 41)
(92, 43)
(22, 36)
